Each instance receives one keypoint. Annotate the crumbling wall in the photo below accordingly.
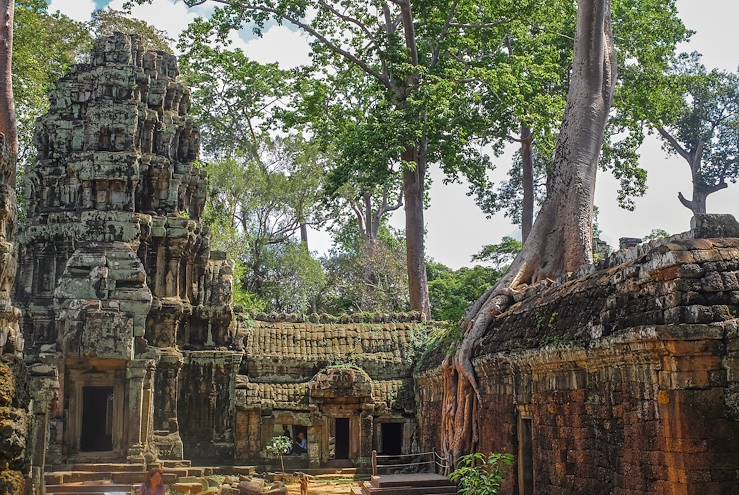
(627, 373)
(13, 396)
(117, 278)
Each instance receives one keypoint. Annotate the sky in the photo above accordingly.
(456, 228)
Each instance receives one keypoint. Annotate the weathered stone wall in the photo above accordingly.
(628, 374)
(118, 286)
(306, 371)
(13, 396)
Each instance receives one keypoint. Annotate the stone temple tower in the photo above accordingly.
(120, 292)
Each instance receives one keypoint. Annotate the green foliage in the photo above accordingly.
(45, 45)
(704, 123)
(279, 446)
(105, 22)
(433, 344)
(296, 279)
(451, 292)
(480, 474)
(500, 255)
(656, 234)
(254, 212)
(364, 276)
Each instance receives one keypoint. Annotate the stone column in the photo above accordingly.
(166, 395)
(315, 438)
(365, 434)
(135, 375)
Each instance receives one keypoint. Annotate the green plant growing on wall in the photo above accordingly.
(279, 446)
(481, 474)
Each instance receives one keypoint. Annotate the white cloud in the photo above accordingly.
(79, 10)
(171, 16)
(289, 48)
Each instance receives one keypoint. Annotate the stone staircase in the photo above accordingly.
(102, 479)
(407, 484)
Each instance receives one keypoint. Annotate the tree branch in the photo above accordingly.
(686, 203)
(346, 18)
(313, 32)
(673, 142)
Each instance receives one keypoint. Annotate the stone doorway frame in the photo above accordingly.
(524, 414)
(81, 375)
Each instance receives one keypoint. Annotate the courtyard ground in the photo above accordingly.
(335, 487)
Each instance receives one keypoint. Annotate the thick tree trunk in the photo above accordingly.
(304, 234)
(561, 237)
(701, 190)
(7, 105)
(413, 184)
(527, 182)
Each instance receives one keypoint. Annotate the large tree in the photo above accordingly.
(433, 63)
(539, 56)
(46, 44)
(703, 130)
(561, 238)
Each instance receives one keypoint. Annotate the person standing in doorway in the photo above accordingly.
(154, 483)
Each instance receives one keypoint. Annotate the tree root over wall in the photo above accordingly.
(561, 239)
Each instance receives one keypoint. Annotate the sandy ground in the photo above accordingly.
(324, 488)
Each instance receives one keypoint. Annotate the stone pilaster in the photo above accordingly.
(136, 372)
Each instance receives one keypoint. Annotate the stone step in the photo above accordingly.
(188, 488)
(109, 467)
(138, 478)
(412, 479)
(368, 489)
(88, 487)
(234, 470)
(61, 477)
(174, 463)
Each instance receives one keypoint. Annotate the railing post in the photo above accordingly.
(374, 463)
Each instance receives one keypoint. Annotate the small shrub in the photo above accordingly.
(480, 474)
(279, 446)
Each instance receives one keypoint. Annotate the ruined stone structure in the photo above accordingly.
(348, 386)
(13, 397)
(133, 350)
(620, 380)
(119, 290)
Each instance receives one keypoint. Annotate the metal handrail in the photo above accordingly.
(406, 455)
(404, 465)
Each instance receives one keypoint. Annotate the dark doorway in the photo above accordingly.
(97, 419)
(342, 438)
(525, 458)
(392, 438)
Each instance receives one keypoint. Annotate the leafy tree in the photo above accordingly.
(500, 255)
(105, 22)
(294, 279)
(432, 64)
(279, 446)
(363, 276)
(45, 46)
(704, 129)
(480, 474)
(561, 239)
(453, 291)
(264, 187)
(540, 57)
(255, 210)
(656, 234)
